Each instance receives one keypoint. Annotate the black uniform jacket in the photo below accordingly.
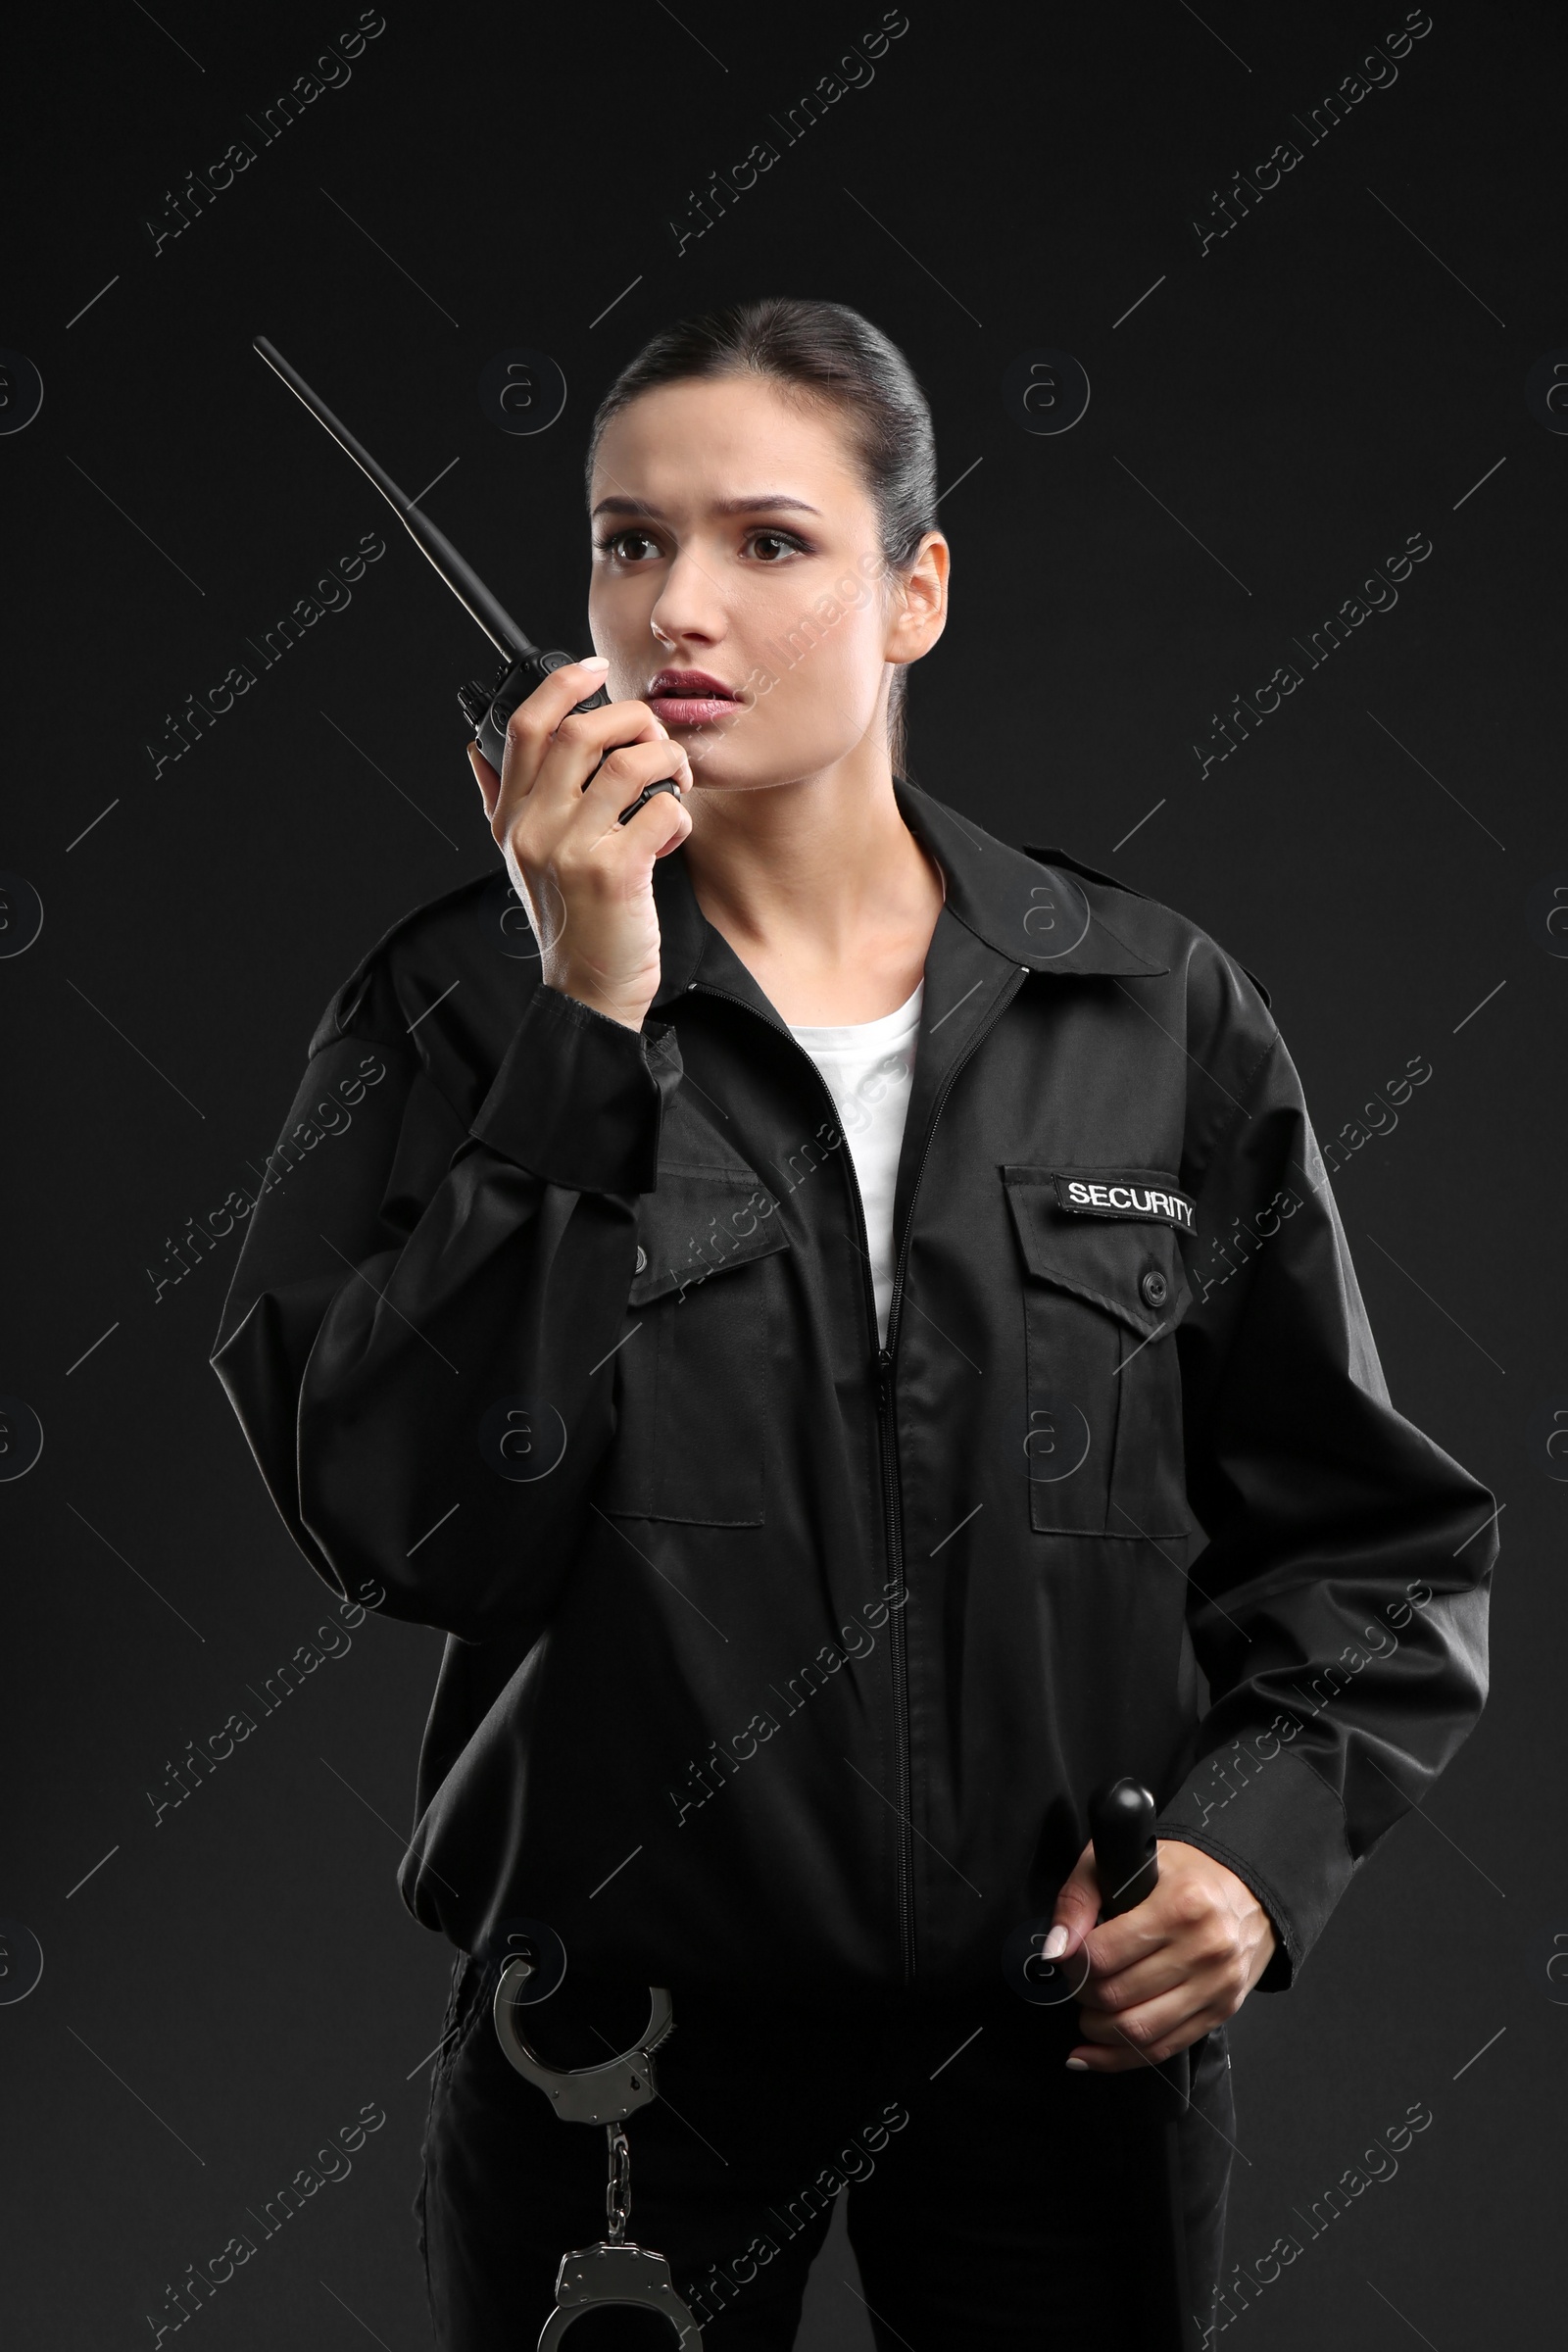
(777, 1658)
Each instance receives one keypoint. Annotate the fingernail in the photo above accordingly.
(1055, 1943)
(1079, 2066)
(594, 662)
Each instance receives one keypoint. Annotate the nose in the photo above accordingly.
(688, 607)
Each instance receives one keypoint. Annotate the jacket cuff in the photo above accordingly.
(1283, 1833)
(578, 1097)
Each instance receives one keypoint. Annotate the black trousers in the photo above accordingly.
(994, 2200)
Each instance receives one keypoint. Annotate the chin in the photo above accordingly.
(707, 782)
(772, 779)
(728, 758)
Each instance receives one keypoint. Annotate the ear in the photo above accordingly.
(920, 602)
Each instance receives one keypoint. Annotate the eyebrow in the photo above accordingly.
(723, 506)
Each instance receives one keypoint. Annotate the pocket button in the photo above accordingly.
(641, 1259)
(1154, 1289)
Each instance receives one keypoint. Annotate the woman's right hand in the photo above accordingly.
(585, 878)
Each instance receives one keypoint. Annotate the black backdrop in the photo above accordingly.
(1273, 413)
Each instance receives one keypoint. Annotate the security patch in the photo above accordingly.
(1125, 1192)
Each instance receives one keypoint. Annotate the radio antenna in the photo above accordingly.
(461, 577)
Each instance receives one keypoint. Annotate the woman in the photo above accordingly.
(854, 1344)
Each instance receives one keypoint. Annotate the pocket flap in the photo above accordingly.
(698, 1221)
(1126, 1263)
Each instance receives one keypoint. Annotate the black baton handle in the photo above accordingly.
(1122, 1828)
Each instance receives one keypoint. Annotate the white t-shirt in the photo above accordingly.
(869, 1068)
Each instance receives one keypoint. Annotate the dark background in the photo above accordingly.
(222, 1991)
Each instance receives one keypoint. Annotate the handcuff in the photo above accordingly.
(614, 2270)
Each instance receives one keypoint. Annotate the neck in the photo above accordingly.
(820, 888)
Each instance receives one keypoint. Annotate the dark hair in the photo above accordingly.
(830, 352)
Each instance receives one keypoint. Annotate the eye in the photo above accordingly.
(786, 540)
(614, 544)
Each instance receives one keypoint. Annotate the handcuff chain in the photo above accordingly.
(617, 2195)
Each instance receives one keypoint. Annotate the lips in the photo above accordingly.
(690, 698)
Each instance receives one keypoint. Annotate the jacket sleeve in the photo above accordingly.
(1339, 1611)
(418, 1333)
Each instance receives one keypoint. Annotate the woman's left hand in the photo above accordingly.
(1167, 1971)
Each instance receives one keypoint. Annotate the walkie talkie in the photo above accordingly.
(523, 666)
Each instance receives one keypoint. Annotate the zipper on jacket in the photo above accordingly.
(882, 1367)
(882, 1376)
(893, 1505)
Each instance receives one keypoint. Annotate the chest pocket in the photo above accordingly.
(697, 1368)
(1101, 1416)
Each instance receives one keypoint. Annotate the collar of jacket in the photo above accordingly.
(1030, 913)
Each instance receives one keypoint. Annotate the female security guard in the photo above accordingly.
(839, 1331)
